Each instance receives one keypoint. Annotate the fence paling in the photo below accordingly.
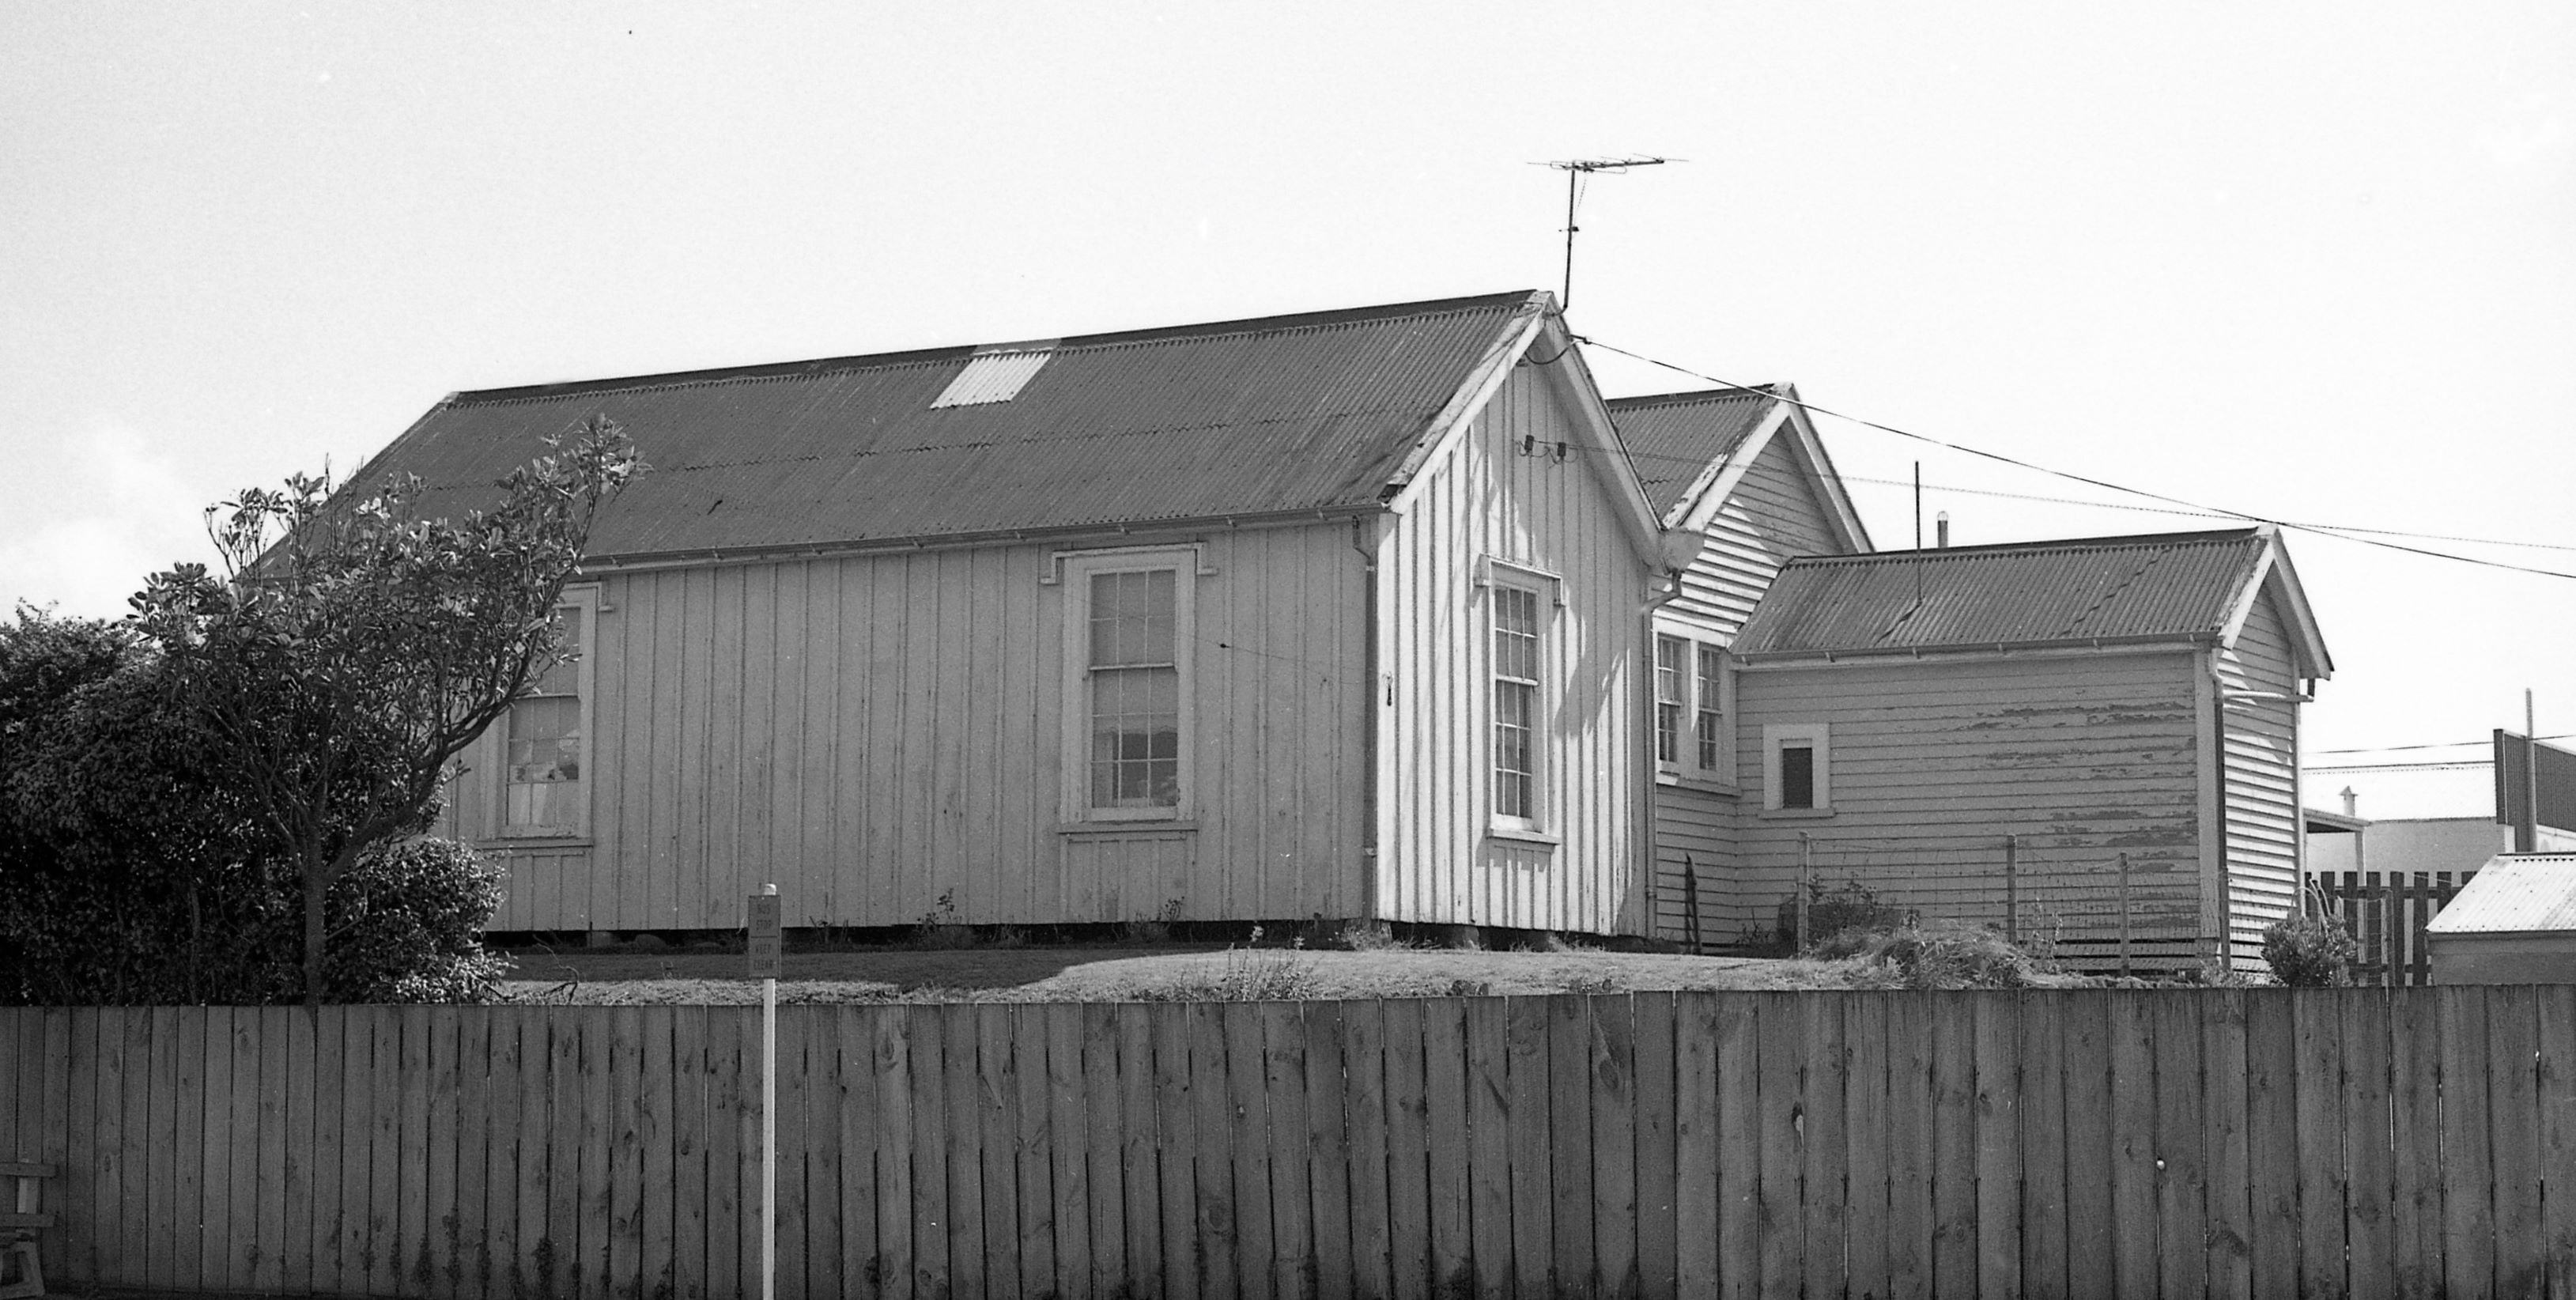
(1665, 1144)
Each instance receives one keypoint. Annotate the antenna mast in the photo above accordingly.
(1575, 170)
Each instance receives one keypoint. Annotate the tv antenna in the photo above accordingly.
(1575, 170)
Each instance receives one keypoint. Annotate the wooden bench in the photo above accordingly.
(18, 1229)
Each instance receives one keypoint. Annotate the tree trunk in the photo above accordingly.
(316, 885)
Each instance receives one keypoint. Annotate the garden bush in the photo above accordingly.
(1945, 955)
(131, 875)
(1855, 906)
(2309, 952)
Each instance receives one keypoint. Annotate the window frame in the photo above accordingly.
(584, 600)
(1815, 737)
(1546, 594)
(1708, 710)
(1673, 693)
(1074, 573)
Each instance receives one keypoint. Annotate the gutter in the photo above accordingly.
(646, 561)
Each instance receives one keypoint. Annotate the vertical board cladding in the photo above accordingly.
(882, 737)
(2259, 729)
(1440, 858)
(1770, 518)
(1930, 763)
(1695, 865)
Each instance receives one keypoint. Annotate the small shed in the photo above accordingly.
(2514, 924)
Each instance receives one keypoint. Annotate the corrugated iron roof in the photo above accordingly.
(1674, 436)
(2175, 585)
(2514, 893)
(1275, 415)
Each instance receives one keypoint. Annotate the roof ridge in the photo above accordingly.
(1304, 323)
(2044, 544)
(1695, 395)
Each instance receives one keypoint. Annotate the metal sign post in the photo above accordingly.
(767, 952)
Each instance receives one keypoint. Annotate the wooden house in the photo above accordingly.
(1337, 615)
(1381, 614)
(2124, 710)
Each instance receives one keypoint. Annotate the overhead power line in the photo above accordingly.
(2349, 535)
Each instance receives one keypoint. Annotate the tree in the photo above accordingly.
(351, 650)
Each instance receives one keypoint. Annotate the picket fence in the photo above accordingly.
(2369, 1142)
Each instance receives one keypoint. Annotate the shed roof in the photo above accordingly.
(2514, 893)
(2179, 586)
(1278, 415)
(1675, 437)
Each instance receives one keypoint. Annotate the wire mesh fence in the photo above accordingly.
(2090, 908)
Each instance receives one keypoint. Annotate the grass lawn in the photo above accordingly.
(1105, 973)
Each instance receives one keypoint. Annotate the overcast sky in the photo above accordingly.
(2314, 262)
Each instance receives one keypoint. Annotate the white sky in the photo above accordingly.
(2313, 261)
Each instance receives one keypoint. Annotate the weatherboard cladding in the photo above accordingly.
(1675, 436)
(1268, 416)
(2177, 585)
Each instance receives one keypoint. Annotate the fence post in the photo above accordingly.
(1806, 884)
(2124, 916)
(2012, 889)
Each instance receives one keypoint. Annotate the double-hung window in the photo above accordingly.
(545, 737)
(1709, 723)
(1127, 653)
(1519, 702)
(1669, 653)
(1690, 710)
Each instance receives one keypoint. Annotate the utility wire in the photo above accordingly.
(2439, 744)
(2000, 458)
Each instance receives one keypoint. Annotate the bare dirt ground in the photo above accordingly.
(1125, 973)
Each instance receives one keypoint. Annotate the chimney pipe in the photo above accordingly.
(2351, 803)
(1941, 530)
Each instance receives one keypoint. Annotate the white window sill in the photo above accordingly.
(1524, 835)
(1705, 785)
(1796, 814)
(1130, 826)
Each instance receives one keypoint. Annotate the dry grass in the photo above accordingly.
(1120, 974)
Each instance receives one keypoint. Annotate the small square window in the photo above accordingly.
(1797, 772)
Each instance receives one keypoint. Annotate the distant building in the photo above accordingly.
(2514, 924)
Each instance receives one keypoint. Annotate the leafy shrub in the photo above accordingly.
(130, 874)
(1855, 906)
(406, 926)
(2309, 952)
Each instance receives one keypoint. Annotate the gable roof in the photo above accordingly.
(2185, 587)
(1676, 437)
(1693, 449)
(1283, 415)
(2514, 893)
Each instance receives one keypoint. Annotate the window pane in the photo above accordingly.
(561, 679)
(1133, 617)
(1710, 664)
(1135, 737)
(1514, 702)
(1797, 776)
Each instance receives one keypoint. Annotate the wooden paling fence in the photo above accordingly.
(2089, 1143)
(2386, 913)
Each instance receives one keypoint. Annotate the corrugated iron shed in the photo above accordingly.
(2177, 585)
(2514, 893)
(1270, 416)
(1674, 436)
